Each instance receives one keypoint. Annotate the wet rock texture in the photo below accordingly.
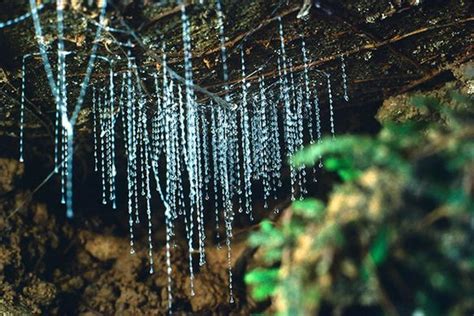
(399, 109)
(10, 172)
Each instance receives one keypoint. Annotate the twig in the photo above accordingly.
(30, 195)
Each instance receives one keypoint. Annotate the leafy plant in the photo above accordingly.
(394, 236)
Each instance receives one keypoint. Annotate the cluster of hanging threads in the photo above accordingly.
(221, 150)
(58, 89)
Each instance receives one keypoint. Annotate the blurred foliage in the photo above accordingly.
(395, 236)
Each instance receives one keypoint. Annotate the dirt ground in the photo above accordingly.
(49, 265)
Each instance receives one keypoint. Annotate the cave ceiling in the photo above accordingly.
(388, 46)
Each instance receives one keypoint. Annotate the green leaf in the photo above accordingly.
(349, 174)
(379, 249)
(334, 164)
(264, 282)
(309, 208)
(344, 168)
(266, 226)
(264, 291)
(259, 275)
(267, 235)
